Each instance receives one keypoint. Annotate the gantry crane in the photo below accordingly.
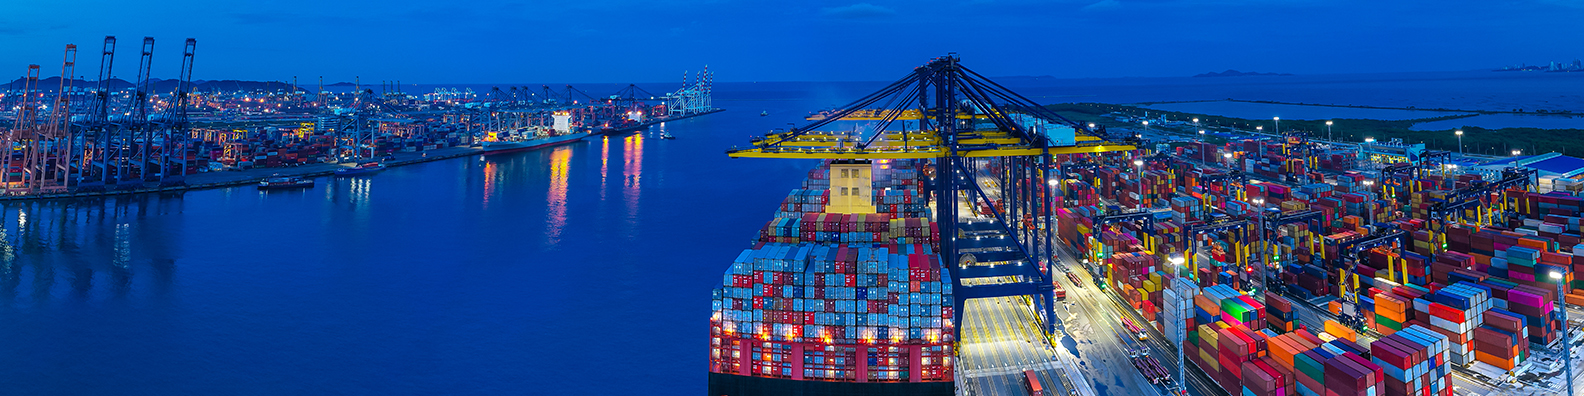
(22, 128)
(48, 161)
(1142, 217)
(97, 127)
(173, 171)
(1270, 221)
(1479, 195)
(1346, 263)
(961, 121)
(1238, 233)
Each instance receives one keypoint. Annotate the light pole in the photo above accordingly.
(1203, 155)
(1370, 204)
(1228, 157)
(1139, 164)
(1259, 128)
(1091, 127)
(1054, 183)
(1146, 125)
(1459, 134)
(1278, 124)
(1264, 253)
(1182, 327)
(1516, 152)
(1567, 345)
(1196, 123)
(1328, 130)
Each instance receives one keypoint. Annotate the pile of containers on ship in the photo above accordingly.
(897, 192)
(838, 297)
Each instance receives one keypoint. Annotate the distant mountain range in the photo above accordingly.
(1235, 73)
(1023, 78)
(52, 83)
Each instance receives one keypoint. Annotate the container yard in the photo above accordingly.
(1401, 278)
(73, 137)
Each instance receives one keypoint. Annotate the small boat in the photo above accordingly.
(666, 136)
(764, 113)
(285, 182)
(366, 167)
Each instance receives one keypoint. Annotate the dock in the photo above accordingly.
(232, 178)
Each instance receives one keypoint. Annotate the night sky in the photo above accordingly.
(492, 41)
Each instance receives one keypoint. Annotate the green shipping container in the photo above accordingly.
(1387, 323)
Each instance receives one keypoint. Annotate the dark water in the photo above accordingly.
(583, 269)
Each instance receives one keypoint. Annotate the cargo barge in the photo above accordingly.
(497, 143)
(842, 293)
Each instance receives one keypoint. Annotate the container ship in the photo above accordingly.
(842, 293)
(527, 139)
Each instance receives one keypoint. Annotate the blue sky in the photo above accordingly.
(494, 41)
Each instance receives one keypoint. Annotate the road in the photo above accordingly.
(1103, 310)
(1001, 339)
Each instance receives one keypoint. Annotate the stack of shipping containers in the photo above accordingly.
(839, 297)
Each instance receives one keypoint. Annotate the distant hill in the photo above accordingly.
(1235, 73)
(52, 83)
(1023, 78)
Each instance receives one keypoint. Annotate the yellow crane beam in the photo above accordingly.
(877, 115)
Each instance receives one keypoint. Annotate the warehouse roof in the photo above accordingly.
(1508, 160)
(1562, 165)
(1549, 163)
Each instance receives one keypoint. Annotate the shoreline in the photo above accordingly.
(1410, 108)
(222, 179)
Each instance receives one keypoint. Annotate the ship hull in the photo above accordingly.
(506, 147)
(357, 171)
(741, 385)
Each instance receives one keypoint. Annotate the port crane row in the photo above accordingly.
(67, 138)
(98, 149)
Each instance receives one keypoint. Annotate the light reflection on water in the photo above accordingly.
(95, 248)
(604, 164)
(556, 217)
(490, 171)
(632, 169)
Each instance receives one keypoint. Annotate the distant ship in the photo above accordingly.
(277, 181)
(527, 140)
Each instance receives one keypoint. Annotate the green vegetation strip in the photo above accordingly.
(1476, 140)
